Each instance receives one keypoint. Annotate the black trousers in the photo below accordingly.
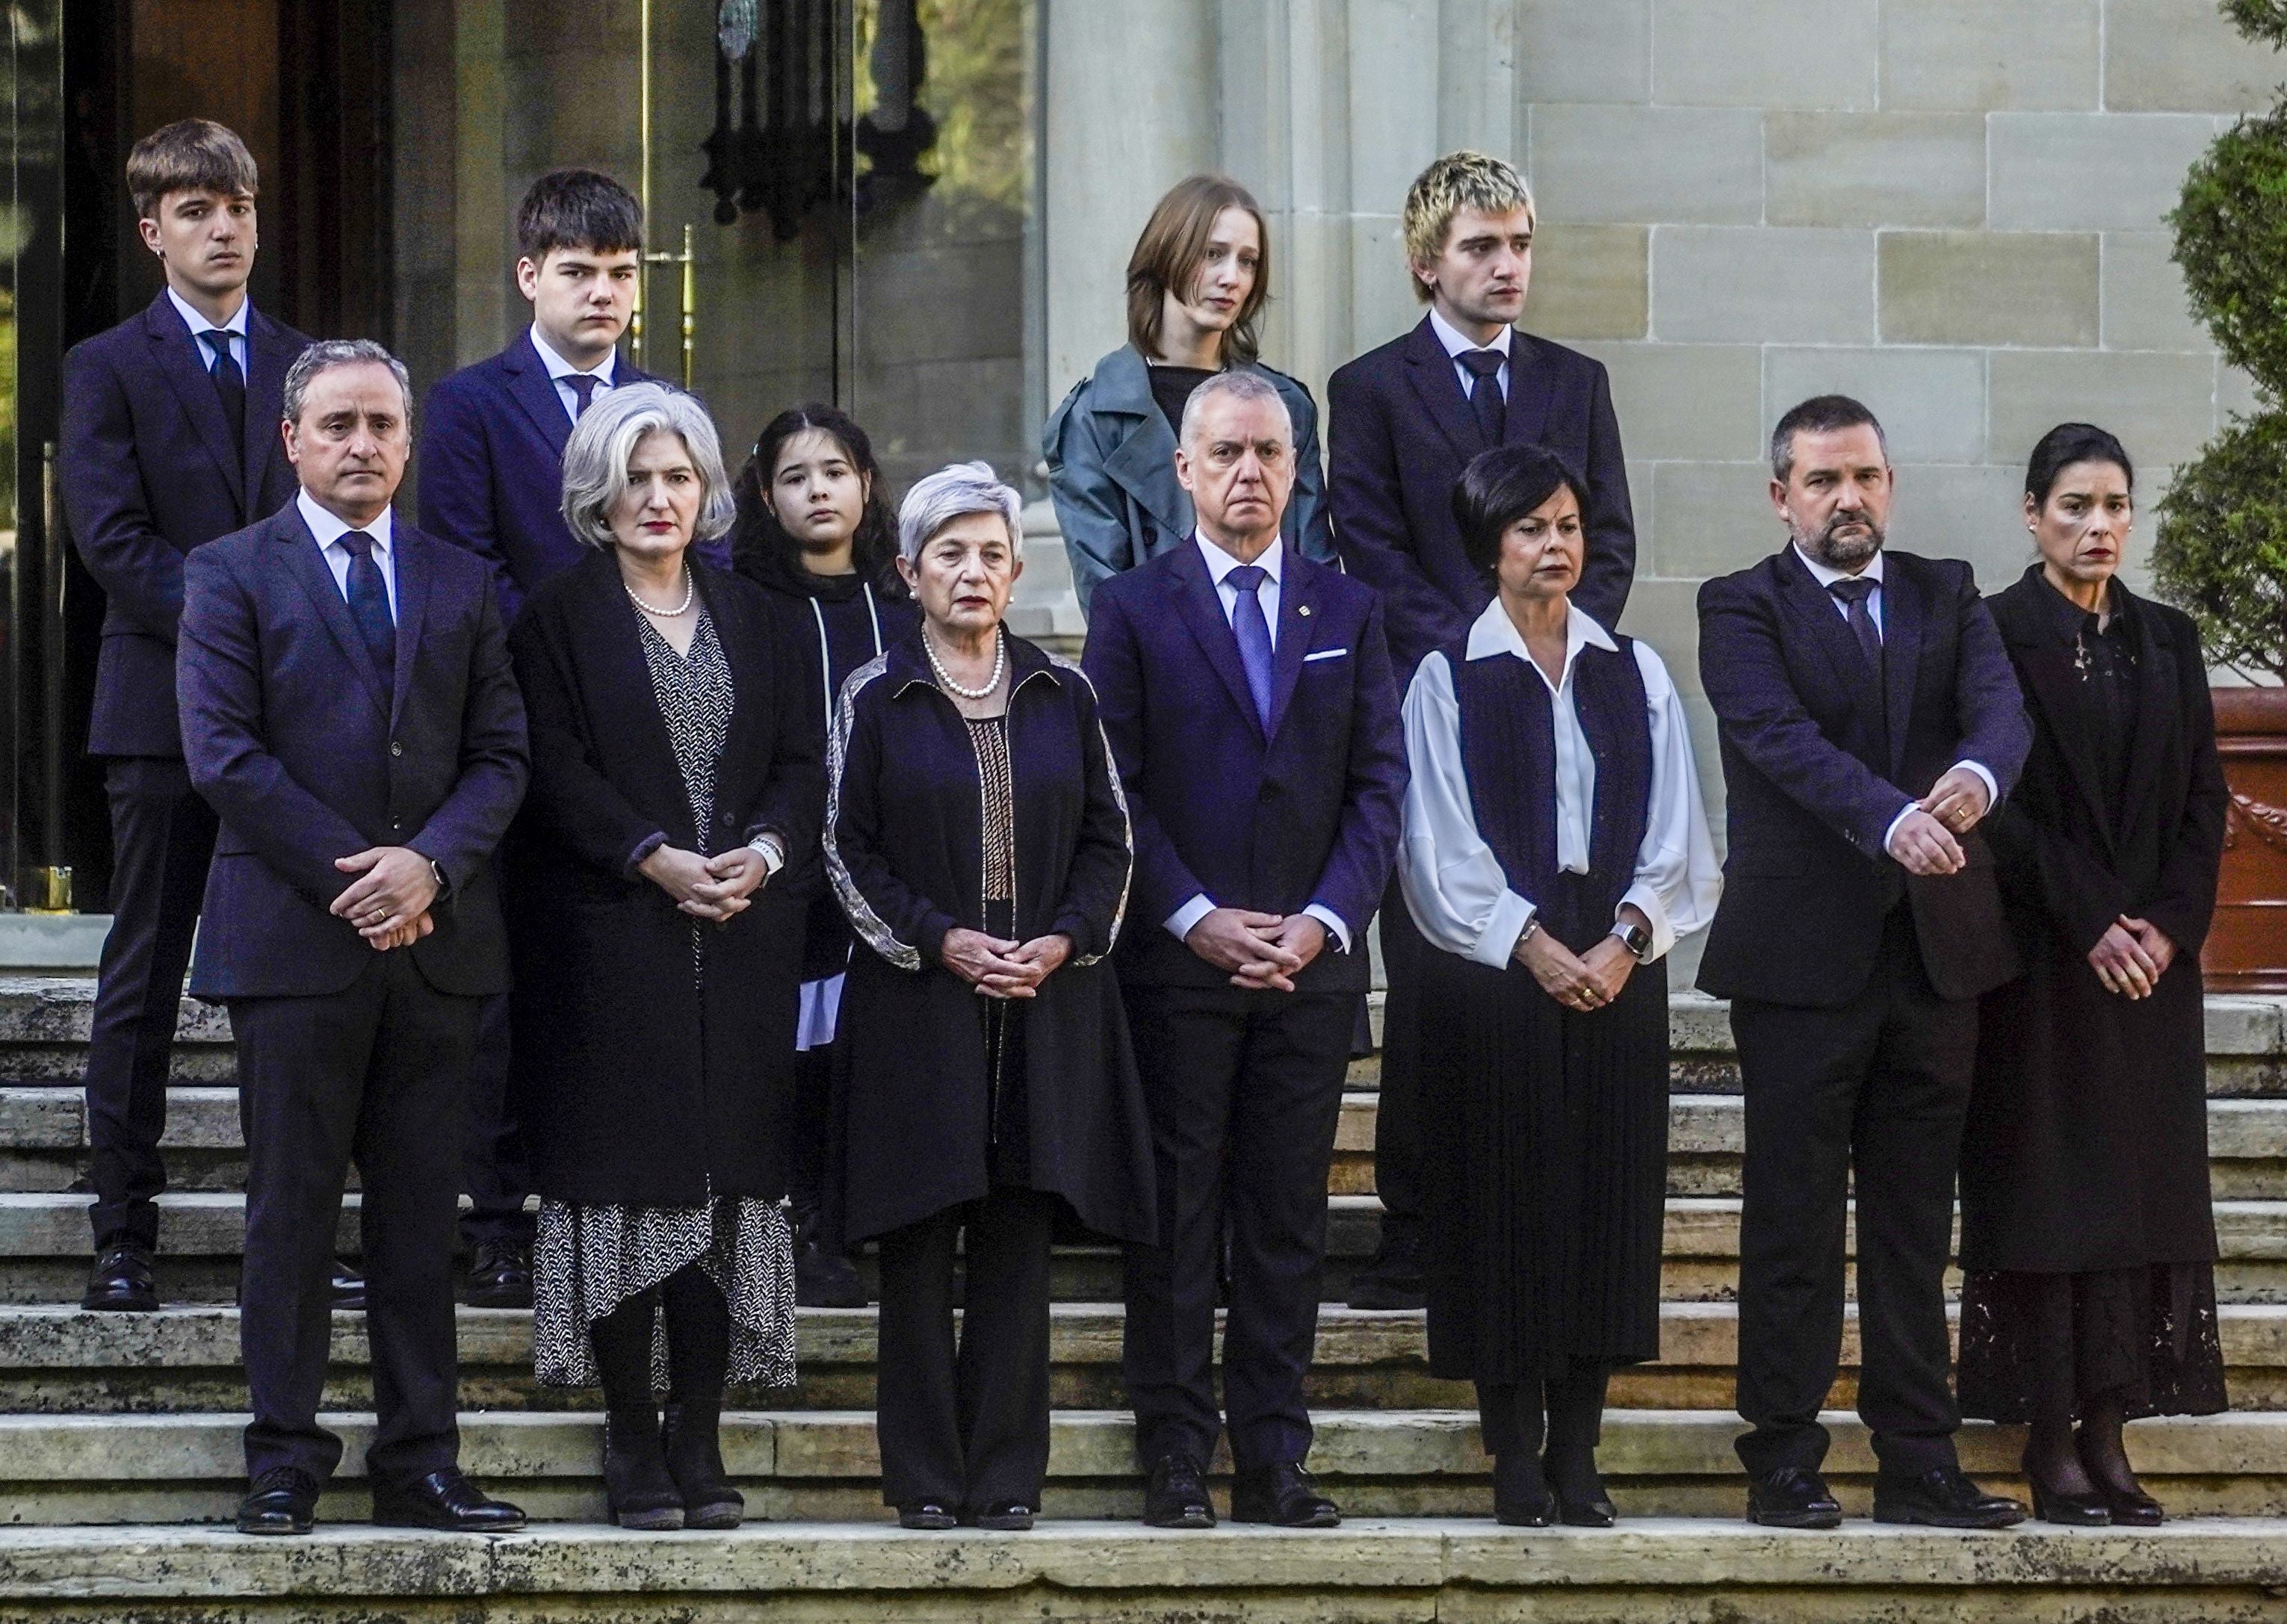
(162, 836)
(1397, 1116)
(1871, 1095)
(1248, 1084)
(374, 1074)
(492, 1167)
(966, 1424)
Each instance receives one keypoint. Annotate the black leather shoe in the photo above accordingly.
(1283, 1495)
(1941, 1498)
(121, 1282)
(2053, 1505)
(933, 1515)
(447, 1500)
(283, 1500)
(1006, 1517)
(1521, 1496)
(1791, 1498)
(348, 1286)
(1581, 1501)
(1177, 1495)
(500, 1276)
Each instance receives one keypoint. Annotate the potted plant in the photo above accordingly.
(2221, 554)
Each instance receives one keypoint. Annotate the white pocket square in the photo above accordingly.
(1324, 654)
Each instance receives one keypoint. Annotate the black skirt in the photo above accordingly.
(2036, 1346)
(1545, 1155)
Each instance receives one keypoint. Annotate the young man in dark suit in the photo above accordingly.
(349, 713)
(170, 439)
(1247, 697)
(1405, 419)
(1869, 720)
(492, 477)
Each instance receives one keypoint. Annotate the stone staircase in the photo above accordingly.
(118, 1433)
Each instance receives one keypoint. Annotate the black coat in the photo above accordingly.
(2086, 1147)
(639, 1081)
(904, 846)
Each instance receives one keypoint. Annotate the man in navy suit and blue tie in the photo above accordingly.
(170, 439)
(349, 713)
(492, 480)
(1248, 698)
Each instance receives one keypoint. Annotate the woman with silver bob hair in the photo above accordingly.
(675, 773)
(976, 835)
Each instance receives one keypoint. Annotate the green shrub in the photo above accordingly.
(2231, 241)
(2221, 554)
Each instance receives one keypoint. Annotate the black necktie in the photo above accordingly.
(1856, 593)
(370, 605)
(1485, 398)
(583, 384)
(230, 383)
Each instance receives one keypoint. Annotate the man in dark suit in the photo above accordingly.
(1869, 719)
(492, 478)
(1405, 419)
(1265, 771)
(170, 439)
(348, 712)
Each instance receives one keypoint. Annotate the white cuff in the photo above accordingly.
(1888, 834)
(1992, 790)
(1663, 934)
(1498, 944)
(1333, 921)
(1189, 914)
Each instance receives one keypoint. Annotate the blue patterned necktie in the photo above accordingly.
(1253, 634)
(1855, 593)
(369, 597)
(1485, 398)
(583, 384)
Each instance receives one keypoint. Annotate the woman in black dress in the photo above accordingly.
(976, 833)
(2087, 1235)
(675, 771)
(1555, 848)
(814, 531)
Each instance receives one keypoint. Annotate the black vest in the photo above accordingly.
(1508, 751)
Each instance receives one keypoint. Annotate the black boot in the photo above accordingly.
(637, 1483)
(823, 1278)
(691, 1435)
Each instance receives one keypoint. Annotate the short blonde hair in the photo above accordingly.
(1455, 182)
(604, 442)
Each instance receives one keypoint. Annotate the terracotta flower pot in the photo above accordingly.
(2246, 949)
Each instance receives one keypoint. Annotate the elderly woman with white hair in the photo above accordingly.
(675, 773)
(976, 833)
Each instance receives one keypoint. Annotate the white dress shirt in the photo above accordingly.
(1458, 343)
(1220, 564)
(559, 369)
(330, 527)
(235, 327)
(1453, 884)
(1826, 575)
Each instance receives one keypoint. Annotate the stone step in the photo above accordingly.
(823, 1464)
(1650, 1569)
(57, 1360)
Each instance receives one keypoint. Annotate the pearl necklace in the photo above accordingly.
(945, 678)
(689, 591)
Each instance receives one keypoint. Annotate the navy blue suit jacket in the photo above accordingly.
(1399, 432)
(290, 737)
(1306, 813)
(492, 469)
(148, 472)
(1813, 775)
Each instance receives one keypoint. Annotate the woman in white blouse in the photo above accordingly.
(1555, 847)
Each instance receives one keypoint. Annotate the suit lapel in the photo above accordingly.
(1201, 606)
(529, 382)
(2048, 667)
(1528, 389)
(1431, 371)
(1295, 619)
(2156, 702)
(309, 570)
(265, 389)
(201, 402)
(409, 561)
(1814, 613)
(1902, 646)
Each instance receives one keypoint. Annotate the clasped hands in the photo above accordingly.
(711, 889)
(1000, 969)
(1580, 981)
(1924, 841)
(389, 900)
(1263, 951)
(2131, 956)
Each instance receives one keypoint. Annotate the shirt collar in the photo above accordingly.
(330, 527)
(198, 324)
(1458, 345)
(1221, 564)
(558, 367)
(2070, 621)
(1494, 633)
(1825, 575)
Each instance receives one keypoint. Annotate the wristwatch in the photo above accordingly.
(1636, 939)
